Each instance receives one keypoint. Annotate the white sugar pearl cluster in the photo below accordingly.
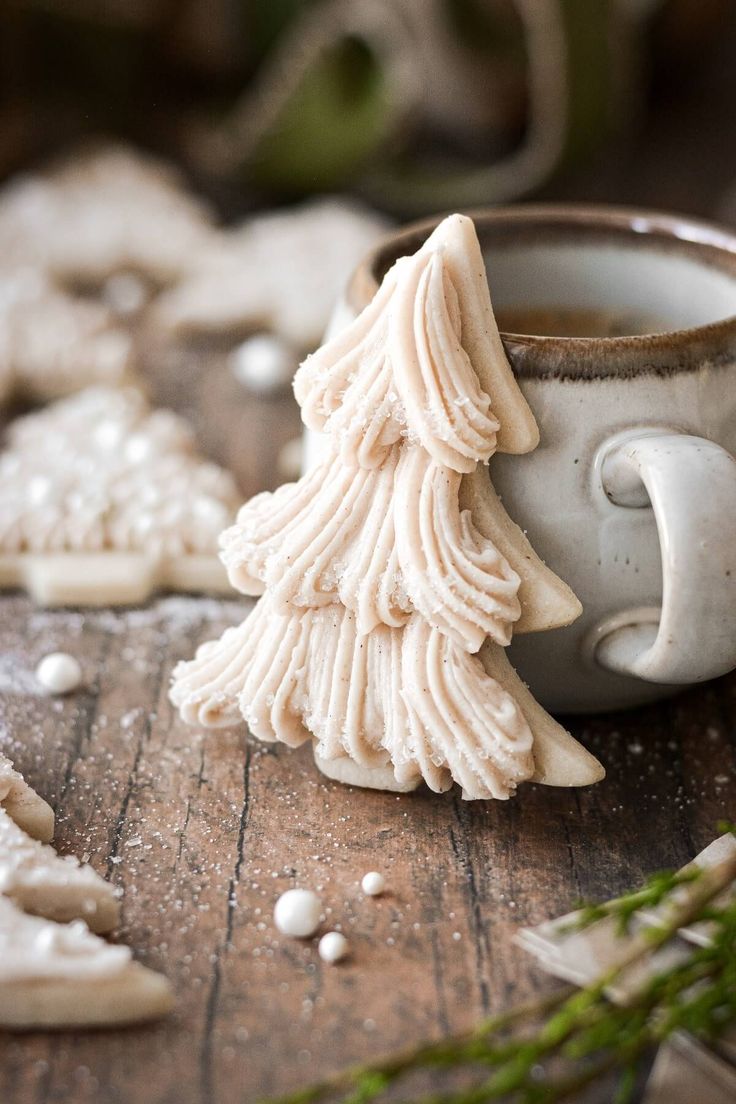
(59, 673)
(298, 913)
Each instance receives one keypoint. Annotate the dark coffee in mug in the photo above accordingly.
(569, 322)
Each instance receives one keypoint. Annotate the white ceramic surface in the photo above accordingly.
(618, 417)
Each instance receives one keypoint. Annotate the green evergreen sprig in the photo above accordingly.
(550, 1050)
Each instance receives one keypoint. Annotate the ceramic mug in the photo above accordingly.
(631, 495)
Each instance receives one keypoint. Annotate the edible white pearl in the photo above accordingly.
(124, 292)
(333, 946)
(297, 913)
(373, 883)
(264, 364)
(289, 459)
(59, 673)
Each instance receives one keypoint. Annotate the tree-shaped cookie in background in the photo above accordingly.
(279, 271)
(102, 501)
(101, 211)
(391, 575)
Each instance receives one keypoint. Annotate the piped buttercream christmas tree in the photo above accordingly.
(391, 576)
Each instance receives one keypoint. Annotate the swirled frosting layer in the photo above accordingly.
(384, 542)
(400, 371)
(409, 697)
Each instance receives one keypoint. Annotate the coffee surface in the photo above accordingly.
(567, 322)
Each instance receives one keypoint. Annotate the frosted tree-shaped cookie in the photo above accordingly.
(102, 501)
(392, 577)
(280, 272)
(100, 212)
(61, 975)
(52, 344)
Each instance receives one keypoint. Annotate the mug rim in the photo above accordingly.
(535, 356)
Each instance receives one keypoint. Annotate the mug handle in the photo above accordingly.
(690, 483)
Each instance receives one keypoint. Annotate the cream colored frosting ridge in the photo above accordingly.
(382, 541)
(400, 372)
(406, 696)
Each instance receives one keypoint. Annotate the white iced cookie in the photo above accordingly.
(281, 272)
(40, 881)
(101, 212)
(52, 344)
(391, 575)
(61, 976)
(29, 811)
(102, 501)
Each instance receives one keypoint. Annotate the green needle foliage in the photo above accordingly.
(550, 1050)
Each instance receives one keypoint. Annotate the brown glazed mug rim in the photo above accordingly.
(664, 353)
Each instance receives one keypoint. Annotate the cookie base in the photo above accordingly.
(135, 995)
(350, 773)
(109, 578)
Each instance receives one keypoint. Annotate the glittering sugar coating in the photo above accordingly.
(100, 472)
(409, 697)
(52, 344)
(382, 541)
(103, 211)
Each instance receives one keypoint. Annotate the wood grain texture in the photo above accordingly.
(203, 830)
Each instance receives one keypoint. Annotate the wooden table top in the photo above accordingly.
(203, 830)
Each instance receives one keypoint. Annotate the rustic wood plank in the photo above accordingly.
(204, 831)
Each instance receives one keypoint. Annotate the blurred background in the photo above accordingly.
(186, 185)
(413, 105)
